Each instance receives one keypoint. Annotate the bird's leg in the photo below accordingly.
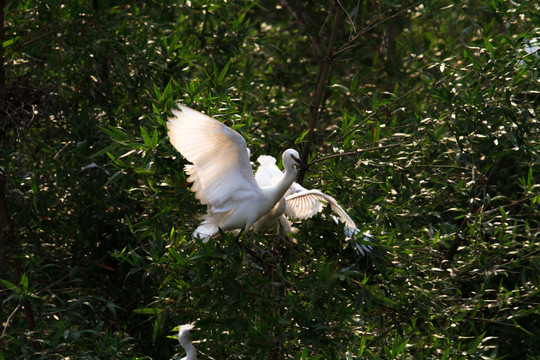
(246, 249)
(283, 236)
(283, 231)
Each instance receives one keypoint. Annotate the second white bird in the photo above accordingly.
(301, 203)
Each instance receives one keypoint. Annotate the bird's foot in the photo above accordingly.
(248, 250)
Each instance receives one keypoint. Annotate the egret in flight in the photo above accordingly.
(300, 203)
(221, 174)
(183, 337)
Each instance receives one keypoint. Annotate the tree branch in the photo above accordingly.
(7, 238)
(321, 84)
(355, 127)
(358, 151)
(352, 42)
(475, 208)
(3, 87)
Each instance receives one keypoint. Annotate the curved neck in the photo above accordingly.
(278, 190)
(191, 353)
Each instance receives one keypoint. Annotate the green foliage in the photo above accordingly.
(428, 135)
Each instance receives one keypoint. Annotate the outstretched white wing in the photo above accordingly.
(301, 202)
(268, 173)
(221, 170)
(304, 203)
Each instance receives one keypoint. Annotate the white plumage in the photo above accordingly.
(300, 203)
(221, 173)
(183, 337)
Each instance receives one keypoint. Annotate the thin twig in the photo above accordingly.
(348, 15)
(514, 203)
(358, 151)
(321, 84)
(7, 233)
(3, 93)
(351, 43)
(64, 26)
(9, 320)
(475, 208)
(376, 112)
(44, 35)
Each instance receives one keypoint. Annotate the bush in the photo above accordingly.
(427, 134)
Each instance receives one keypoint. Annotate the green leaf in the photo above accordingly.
(115, 134)
(148, 311)
(105, 150)
(8, 42)
(115, 177)
(476, 343)
(24, 283)
(8, 284)
(146, 138)
(220, 76)
(489, 46)
(299, 139)
(157, 325)
(154, 138)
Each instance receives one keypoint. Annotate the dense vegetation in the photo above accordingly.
(427, 133)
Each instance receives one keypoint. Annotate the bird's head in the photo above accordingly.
(184, 332)
(291, 157)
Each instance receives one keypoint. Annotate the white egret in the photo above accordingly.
(300, 203)
(183, 337)
(221, 173)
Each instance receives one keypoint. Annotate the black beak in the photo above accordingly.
(301, 163)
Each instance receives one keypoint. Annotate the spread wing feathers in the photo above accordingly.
(268, 173)
(301, 202)
(306, 203)
(196, 187)
(221, 171)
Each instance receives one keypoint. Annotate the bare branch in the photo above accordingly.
(321, 84)
(358, 151)
(352, 43)
(379, 110)
(62, 27)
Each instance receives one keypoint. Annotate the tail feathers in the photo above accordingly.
(206, 230)
(211, 224)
